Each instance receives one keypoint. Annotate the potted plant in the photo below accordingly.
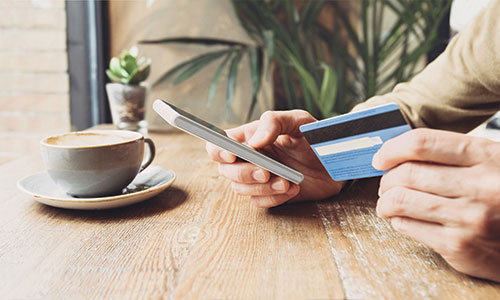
(128, 91)
(320, 59)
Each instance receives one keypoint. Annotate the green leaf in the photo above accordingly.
(114, 66)
(215, 80)
(351, 31)
(305, 75)
(195, 66)
(255, 59)
(140, 75)
(288, 85)
(188, 40)
(269, 44)
(231, 82)
(255, 66)
(145, 71)
(328, 92)
(264, 19)
(134, 51)
(185, 64)
(112, 76)
(310, 12)
(362, 58)
(129, 64)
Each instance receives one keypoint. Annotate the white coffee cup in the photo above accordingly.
(95, 163)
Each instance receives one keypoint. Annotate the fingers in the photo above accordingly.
(271, 192)
(404, 202)
(244, 132)
(275, 186)
(430, 178)
(248, 179)
(253, 181)
(275, 200)
(275, 123)
(243, 172)
(433, 235)
(263, 132)
(240, 134)
(430, 145)
(218, 154)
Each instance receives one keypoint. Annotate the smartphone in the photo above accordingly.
(210, 133)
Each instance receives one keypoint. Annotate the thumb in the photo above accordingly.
(275, 123)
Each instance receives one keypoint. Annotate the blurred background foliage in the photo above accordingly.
(319, 58)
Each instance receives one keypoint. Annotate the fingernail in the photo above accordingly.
(376, 161)
(226, 156)
(278, 186)
(379, 191)
(259, 176)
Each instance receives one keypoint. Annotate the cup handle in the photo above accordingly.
(151, 155)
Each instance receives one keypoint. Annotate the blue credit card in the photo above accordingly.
(345, 144)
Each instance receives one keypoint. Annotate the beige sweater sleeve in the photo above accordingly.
(461, 88)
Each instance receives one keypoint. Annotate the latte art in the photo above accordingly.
(85, 139)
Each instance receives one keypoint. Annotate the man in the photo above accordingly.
(442, 188)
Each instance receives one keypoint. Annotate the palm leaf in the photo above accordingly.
(269, 44)
(298, 44)
(186, 64)
(307, 78)
(351, 32)
(328, 91)
(231, 81)
(310, 13)
(195, 66)
(288, 85)
(188, 40)
(215, 80)
(255, 59)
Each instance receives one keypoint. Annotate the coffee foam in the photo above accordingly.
(86, 139)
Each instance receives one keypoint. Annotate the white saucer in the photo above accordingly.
(147, 184)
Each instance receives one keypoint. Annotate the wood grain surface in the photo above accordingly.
(197, 240)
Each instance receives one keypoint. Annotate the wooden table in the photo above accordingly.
(198, 240)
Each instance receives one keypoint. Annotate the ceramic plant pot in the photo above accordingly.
(127, 104)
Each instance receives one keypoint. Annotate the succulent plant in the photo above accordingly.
(127, 69)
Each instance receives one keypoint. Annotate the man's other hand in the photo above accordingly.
(443, 189)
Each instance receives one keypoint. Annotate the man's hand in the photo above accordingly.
(443, 189)
(277, 135)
